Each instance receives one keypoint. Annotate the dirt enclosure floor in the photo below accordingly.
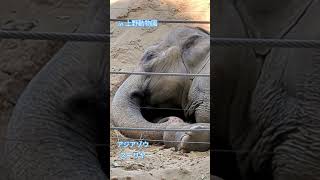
(127, 47)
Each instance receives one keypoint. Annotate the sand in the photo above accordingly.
(127, 47)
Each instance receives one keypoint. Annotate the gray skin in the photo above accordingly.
(268, 112)
(57, 121)
(183, 50)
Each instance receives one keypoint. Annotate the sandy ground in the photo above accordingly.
(127, 47)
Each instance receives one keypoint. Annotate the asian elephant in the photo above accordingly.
(183, 50)
(59, 118)
(267, 100)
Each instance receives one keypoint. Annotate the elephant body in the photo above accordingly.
(183, 50)
(267, 99)
(57, 120)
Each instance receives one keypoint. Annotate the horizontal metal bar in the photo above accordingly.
(108, 145)
(159, 74)
(155, 129)
(166, 10)
(168, 21)
(54, 36)
(227, 42)
(283, 43)
(176, 109)
(154, 140)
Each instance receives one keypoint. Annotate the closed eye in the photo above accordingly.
(148, 56)
(190, 42)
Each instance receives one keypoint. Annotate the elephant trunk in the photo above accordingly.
(199, 97)
(202, 113)
(126, 111)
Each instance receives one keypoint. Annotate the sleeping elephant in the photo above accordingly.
(267, 100)
(183, 50)
(58, 119)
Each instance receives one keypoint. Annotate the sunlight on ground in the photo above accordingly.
(199, 7)
(189, 9)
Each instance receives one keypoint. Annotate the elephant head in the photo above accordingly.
(183, 50)
(58, 119)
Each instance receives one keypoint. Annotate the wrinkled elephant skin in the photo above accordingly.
(57, 120)
(267, 114)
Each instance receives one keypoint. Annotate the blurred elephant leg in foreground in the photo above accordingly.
(59, 117)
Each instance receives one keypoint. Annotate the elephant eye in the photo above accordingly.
(190, 42)
(148, 56)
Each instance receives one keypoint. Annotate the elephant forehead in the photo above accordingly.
(180, 35)
(176, 37)
(189, 30)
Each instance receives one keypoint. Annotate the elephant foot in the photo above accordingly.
(188, 140)
(195, 140)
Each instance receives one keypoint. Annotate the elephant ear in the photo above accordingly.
(195, 51)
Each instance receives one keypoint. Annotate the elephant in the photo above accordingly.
(266, 100)
(57, 122)
(141, 100)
